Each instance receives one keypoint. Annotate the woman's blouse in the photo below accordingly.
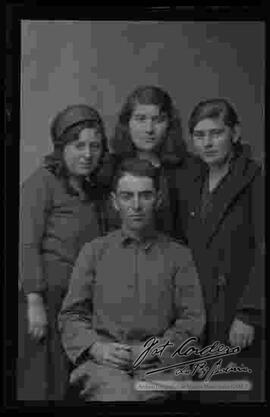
(54, 226)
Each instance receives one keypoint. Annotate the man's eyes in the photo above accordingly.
(125, 196)
(146, 195)
(198, 135)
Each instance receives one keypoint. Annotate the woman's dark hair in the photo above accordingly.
(138, 168)
(213, 109)
(173, 148)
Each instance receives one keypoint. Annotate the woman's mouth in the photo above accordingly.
(85, 165)
(210, 153)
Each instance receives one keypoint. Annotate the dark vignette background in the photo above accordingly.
(16, 165)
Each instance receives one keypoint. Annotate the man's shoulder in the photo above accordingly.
(101, 242)
(175, 245)
(179, 253)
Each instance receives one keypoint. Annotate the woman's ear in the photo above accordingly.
(159, 199)
(114, 201)
(236, 133)
(190, 144)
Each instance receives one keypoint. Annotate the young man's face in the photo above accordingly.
(136, 200)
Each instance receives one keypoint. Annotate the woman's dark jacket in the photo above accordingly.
(228, 246)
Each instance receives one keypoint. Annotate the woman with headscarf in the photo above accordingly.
(61, 209)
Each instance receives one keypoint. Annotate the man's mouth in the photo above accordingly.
(136, 217)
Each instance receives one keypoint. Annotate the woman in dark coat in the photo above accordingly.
(149, 127)
(226, 233)
(61, 209)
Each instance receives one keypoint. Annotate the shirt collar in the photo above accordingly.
(148, 239)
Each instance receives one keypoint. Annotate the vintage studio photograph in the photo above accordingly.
(141, 226)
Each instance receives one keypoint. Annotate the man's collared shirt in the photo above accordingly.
(126, 290)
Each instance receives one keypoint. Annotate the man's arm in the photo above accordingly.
(80, 340)
(188, 300)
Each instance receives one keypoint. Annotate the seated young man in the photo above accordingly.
(128, 289)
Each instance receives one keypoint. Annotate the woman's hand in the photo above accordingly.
(241, 334)
(37, 316)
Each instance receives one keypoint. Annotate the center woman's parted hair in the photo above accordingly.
(138, 168)
(173, 148)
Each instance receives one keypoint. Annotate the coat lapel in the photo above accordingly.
(236, 181)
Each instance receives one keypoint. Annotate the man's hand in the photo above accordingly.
(241, 334)
(37, 317)
(113, 354)
(149, 360)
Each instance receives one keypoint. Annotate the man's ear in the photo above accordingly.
(159, 200)
(236, 133)
(114, 200)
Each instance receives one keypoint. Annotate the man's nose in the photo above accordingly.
(136, 203)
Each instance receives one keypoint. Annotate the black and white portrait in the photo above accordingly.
(141, 210)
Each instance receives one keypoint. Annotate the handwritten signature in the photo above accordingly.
(216, 350)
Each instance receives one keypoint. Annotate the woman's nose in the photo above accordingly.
(208, 140)
(87, 152)
(149, 125)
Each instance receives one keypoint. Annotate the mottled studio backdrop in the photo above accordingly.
(100, 62)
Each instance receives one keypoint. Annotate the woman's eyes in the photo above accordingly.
(79, 146)
(217, 132)
(155, 119)
(92, 147)
(212, 133)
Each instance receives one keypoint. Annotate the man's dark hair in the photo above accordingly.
(138, 168)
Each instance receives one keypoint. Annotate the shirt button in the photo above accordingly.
(192, 213)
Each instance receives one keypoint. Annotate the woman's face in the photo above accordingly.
(82, 155)
(147, 127)
(213, 141)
